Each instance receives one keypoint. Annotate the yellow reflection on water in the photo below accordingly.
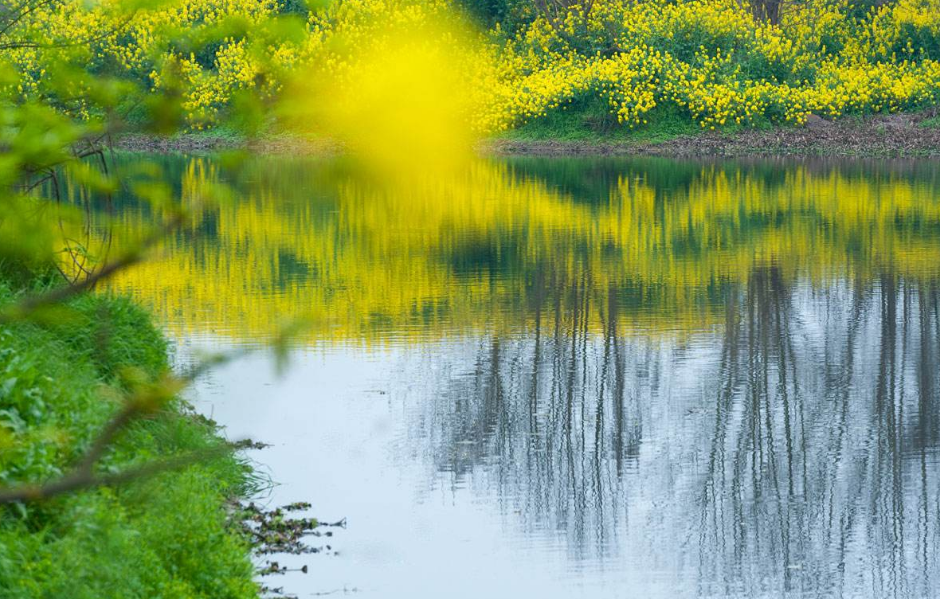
(655, 246)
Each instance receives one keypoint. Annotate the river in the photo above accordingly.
(577, 377)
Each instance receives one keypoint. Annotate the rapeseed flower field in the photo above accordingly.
(710, 61)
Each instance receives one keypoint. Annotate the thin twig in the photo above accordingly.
(83, 476)
(80, 480)
(23, 308)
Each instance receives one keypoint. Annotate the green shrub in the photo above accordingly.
(165, 537)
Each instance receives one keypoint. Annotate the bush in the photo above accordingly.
(165, 537)
(710, 58)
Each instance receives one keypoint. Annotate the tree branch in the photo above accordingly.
(82, 476)
(25, 307)
(79, 479)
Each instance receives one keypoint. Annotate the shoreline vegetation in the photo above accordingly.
(899, 135)
(176, 532)
(566, 77)
(187, 532)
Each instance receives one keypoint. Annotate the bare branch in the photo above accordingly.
(143, 404)
(23, 308)
(80, 479)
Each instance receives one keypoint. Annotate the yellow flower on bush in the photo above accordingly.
(709, 60)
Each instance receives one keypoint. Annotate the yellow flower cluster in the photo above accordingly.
(708, 59)
(111, 38)
(713, 61)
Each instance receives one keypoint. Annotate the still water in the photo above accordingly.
(579, 378)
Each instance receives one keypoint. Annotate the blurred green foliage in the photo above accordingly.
(168, 536)
(68, 369)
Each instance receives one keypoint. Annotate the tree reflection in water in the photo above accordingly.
(792, 448)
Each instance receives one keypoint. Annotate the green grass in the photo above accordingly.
(930, 123)
(222, 136)
(168, 536)
(590, 121)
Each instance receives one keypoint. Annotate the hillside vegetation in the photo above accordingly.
(615, 64)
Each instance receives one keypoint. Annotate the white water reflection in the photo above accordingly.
(790, 451)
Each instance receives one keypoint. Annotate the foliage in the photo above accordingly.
(72, 365)
(712, 60)
(164, 537)
(375, 73)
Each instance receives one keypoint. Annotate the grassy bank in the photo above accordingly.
(590, 121)
(910, 134)
(167, 536)
(913, 134)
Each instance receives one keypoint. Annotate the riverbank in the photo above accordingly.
(172, 535)
(902, 135)
(883, 136)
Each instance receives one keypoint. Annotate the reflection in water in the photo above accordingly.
(420, 258)
(719, 378)
(794, 450)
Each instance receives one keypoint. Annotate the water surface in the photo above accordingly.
(580, 378)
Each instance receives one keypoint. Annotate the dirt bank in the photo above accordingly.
(196, 143)
(897, 135)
